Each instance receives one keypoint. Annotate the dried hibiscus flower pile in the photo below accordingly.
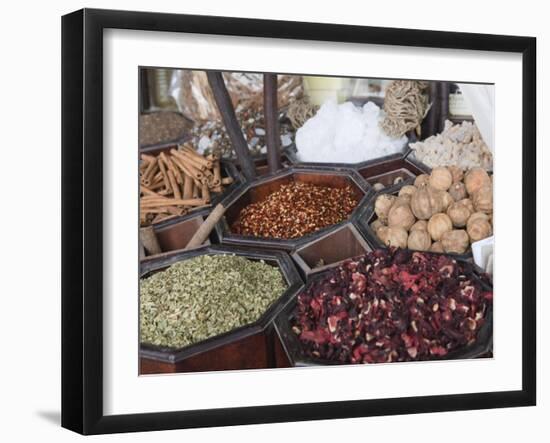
(391, 305)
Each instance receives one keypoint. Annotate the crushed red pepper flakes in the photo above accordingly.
(296, 209)
(391, 306)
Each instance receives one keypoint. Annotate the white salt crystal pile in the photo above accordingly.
(345, 133)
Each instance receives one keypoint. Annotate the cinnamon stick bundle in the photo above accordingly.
(176, 181)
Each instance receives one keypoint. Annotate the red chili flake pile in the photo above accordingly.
(296, 209)
(390, 306)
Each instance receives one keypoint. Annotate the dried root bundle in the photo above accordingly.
(300, 111)
(406, 105)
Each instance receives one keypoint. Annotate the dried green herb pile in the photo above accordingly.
(205, 296)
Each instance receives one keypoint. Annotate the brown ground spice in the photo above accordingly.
(161, 127)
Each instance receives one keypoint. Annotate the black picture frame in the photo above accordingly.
(82, 218)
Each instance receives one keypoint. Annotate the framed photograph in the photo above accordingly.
(273, 221)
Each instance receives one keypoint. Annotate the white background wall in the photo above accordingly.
(30, 219)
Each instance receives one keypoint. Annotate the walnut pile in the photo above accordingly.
(445, 211)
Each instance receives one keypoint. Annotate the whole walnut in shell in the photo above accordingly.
(478, 227)
(483, 199)
(419, 240)
(404, 199)
(457, 173)
(478, 215)
(376, 224)
(437, 247)
(468, 203)
(455, 242)
(458, 191)
(422, 180)
(437, 199)
(440, 178)
(438, 225)
(393, 236)
(420, 225)
(407, 190)
(401, 216)
(426, 201)
(382, 206)
(421, 205)
(475, 178)
(459, 214)
(447, 200)
(382, 233)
